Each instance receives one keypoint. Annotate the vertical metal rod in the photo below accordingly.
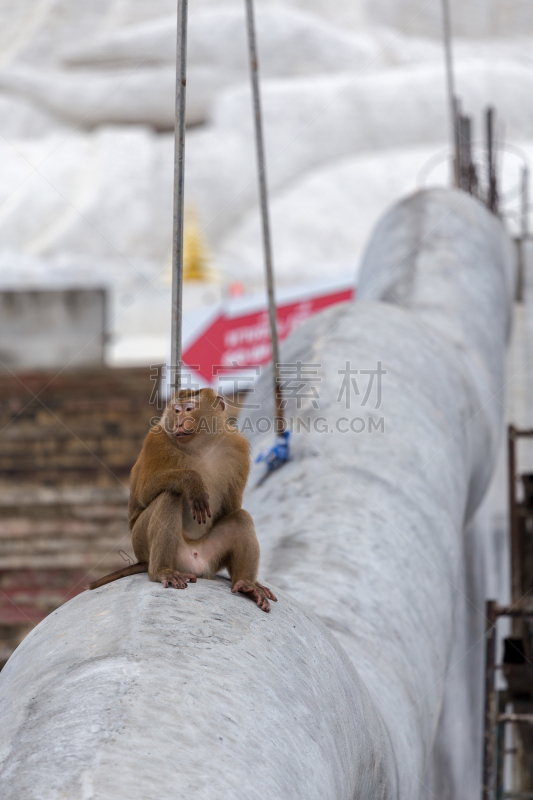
(459, 145)
(500, 749)
(263, 196)
(492, 195)
(524, 232)
(467, 169)
(179, 176)
(450, 85)
(472, 173)
(524, 203)
(489, 750)
(516, 583)
(490, 155)
(465, 153)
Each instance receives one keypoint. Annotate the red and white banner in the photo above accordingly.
(237, 334)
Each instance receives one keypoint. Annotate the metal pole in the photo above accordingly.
(465, 153)
(472, 174)
(263, 196)
(489, 751)
(490, 162)
(492, 196)
(525, 201)
(523, 234)
(516, 583)
(500, 747)
(179, 174)
(450, 85)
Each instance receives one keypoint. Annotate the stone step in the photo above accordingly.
(69, 529)
(84, 426)
(65, 459)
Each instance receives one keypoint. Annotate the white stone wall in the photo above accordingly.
(49, 329)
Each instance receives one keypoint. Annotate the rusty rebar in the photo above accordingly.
(465, 153)
(516, 571)
(492, 189)
(489, 750)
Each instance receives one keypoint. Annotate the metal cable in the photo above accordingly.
(263, 197)
(179, 175)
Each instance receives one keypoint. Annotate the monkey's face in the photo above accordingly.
(183, 417)
(192, 414)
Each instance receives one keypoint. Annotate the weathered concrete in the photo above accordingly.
(138, 692)
(44, 329)
(366, 528)
(363, 529)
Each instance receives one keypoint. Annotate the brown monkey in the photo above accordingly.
(185, 512)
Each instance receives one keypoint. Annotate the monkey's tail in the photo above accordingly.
(141, 566)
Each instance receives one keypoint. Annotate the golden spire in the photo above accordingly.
(195, 255)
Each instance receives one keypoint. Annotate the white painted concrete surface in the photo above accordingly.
(138, 692)
(46, 330)
(366, 528)
(125, 692)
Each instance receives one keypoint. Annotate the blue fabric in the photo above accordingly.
(277, 455)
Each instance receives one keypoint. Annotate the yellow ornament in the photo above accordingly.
(195, 257)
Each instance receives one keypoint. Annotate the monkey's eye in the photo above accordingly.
(189, 408)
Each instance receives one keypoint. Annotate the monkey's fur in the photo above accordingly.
(186, 491)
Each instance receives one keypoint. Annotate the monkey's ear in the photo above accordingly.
(219, 401)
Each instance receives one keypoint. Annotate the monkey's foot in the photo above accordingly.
(171, 577)
(257, 592)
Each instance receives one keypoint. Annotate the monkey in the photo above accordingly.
(185, 508)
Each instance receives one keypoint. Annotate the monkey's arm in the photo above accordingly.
(135, 509)
(177, 481)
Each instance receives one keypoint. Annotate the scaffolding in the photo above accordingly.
(511, 705)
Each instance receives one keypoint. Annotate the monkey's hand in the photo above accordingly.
(257, 592)
(199, 500)
(171, 577)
